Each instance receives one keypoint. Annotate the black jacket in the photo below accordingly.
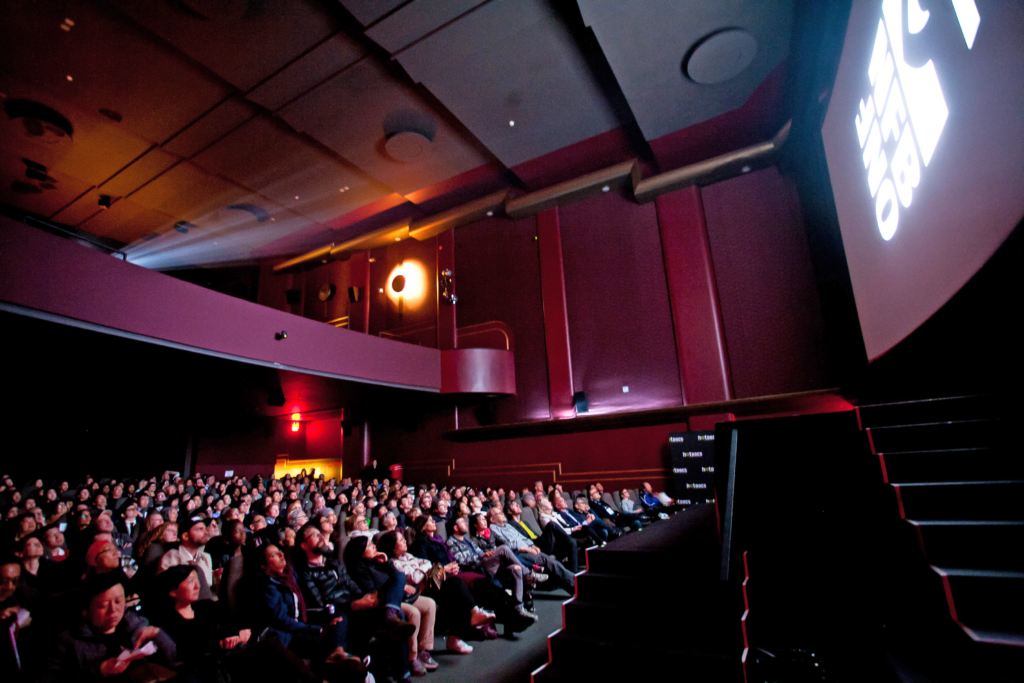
(326, 585)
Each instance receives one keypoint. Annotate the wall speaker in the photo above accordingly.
(580, 399)
(293, 296)
(353, 294)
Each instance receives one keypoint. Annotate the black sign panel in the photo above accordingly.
(693, 464)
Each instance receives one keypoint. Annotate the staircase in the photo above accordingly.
(651, 603)
(957, 481)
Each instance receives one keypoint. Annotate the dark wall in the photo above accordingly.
(620, 323)
(497, 270)
(770, 304)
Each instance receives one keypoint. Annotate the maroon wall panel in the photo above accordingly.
(620, 321)
(250, 451)
(100, 290)
(337, 273)
(770, 307)
(696, 317)
(498, 272)
(478, 371)
(556, 324)
(323, 439)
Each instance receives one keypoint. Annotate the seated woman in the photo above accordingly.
(372, 571)
(427, 545)
(457, 611)
(356, 525)
(285, 615)
(92, 649)
(206, 651)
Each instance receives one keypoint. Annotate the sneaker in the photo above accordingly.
(416, 668)
(521, 611)
(488, 631)
(458, 646)
(535, 577)
(481, 617)
(662, 515)
(428, 662)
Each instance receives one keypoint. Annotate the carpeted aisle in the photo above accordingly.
(502, 660)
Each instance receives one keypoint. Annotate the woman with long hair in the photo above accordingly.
(285, 614)
(458, 613)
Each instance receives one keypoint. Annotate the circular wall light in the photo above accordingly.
(408, 282)
(720, 56)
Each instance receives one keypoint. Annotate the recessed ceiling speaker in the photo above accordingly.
(407, 145)
(720, 56)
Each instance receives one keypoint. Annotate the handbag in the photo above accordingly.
(435, 575)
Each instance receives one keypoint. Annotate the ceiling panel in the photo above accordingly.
(141, 171)
(512, 60)
(188, 193)
(127, 222)
(96, 149)
(44, 196)
(351, 113)
(368, 11)
(266, 156)
(313, 68)
(268, 34)
(230, 239)
(645, 43)
(416, 20)
(82, 209)
(113, 66)
(214, 125)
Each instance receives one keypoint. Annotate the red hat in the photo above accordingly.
(94, 551)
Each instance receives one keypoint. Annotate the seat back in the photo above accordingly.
(607, 498)
(617, 501)
(530, 519)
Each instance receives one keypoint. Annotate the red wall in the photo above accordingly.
(497, 271)
(620, 323)
(253, 449)
(770, 308)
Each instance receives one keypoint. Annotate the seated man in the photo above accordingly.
(554, 540)
(91, 648)
(193, 536)
(578, 529)
(527, 552)
(582, 515)
(481, 555)
(656, 502)
(606, 512)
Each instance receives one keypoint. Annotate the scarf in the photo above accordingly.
(288, 579)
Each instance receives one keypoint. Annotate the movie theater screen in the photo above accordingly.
(924, 137)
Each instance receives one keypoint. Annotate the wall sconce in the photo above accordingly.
(447, 288)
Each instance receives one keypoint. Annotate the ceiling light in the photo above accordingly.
(720, 56)
(65, 27)
(490, 213)
(69, 22)
(398, 239)
(296, 196)
(70, 78)
(511, 123)
(272, 218)
(745, 169)
(381, 290)
(605, 188)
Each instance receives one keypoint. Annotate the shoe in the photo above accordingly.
(481, 617)
(521, 611)
(428, 662)
(662, 515)
(535, 577)
(488, 631)
(416, 668)
(457, 646)
(394, 626)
